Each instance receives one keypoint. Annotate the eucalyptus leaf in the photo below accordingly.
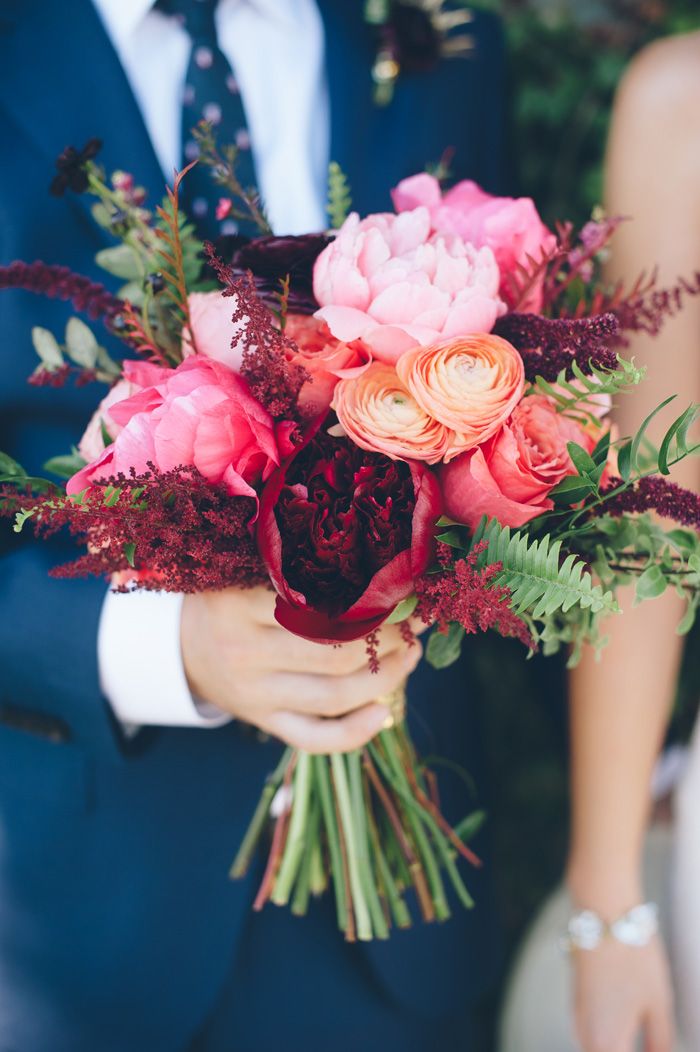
(81, 345)
(444, 648)
(10, 468)
(65, 466)
(121, 261)
(581, 459)
(47, 347)
(651, 584)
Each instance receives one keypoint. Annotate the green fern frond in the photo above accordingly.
(540, 584)
(582, 393)
(339, 198)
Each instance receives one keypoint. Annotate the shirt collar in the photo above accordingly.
(121, 17)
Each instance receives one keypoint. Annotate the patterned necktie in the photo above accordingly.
(210, 93)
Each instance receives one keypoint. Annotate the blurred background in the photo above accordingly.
(567, 57)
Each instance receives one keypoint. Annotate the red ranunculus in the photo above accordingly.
(344, 533)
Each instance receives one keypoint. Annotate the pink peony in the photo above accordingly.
(388, 281)
(212, 330)
(200, 414)
(325, 359)
(509, 478)
(510, 226)
(92, 443)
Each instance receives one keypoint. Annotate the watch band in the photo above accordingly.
(586, 930)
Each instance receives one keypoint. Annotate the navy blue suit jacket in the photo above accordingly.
(114, 855)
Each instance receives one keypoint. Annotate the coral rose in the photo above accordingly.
(325, 359)
(200, 414)
(511, 227)
(510, 477)
(388, 281)
(470, 384)
(212, 331)
(379, 413)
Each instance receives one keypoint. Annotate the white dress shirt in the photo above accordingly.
(276, 50)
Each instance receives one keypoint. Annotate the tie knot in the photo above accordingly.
(197, 17)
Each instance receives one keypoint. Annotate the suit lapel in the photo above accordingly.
(91, 96)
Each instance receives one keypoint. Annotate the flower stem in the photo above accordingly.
(354, 766)
(342, 789)
(325, 792)
(298, 831)
(302, 890)
(259, 819)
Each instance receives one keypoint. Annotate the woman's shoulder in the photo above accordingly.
(663, 81)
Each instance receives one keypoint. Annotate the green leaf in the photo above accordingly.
(454, 538)
(651, 584)
(47, 347)
(121, 261)
(129, 552)
(624, 461)
(571, 490)
(106, 437)
(637, 440)
(65, 466)
(679, 431)
(402, 610)
(81, 345)
(467, 829)
(602, 449)
(581, 459)
(9, 468)
(444, 648)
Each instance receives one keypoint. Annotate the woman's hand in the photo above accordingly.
(621, 992)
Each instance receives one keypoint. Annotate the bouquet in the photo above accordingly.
(403, 419)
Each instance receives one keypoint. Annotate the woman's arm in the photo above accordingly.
(619, 706)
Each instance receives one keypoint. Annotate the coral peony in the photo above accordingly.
(199, 415)
(388, 281)
(510, 477)
(511, 227)
(324, 358)
(470, 384)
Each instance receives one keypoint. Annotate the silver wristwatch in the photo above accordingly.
(586, 929)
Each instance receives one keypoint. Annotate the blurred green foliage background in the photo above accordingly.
(566, 59)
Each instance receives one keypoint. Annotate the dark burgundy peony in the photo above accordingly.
(344, 533)
(271, 259)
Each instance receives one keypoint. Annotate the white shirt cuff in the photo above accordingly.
(142, 674)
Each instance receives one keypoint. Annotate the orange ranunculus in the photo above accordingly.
(471, 384)
(377, 412)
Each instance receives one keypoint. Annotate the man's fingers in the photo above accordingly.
(295, 655)
(316, 735)
(660, 1036)
(335, 696)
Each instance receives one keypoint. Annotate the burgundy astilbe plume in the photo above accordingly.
(181, 533)
(548, 345)
(466, 594)
(272, 378)
(656, 494)
(88, 297)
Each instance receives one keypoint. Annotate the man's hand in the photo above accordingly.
(620, 993)
(317, 698)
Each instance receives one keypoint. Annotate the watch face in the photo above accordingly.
(586, 930)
